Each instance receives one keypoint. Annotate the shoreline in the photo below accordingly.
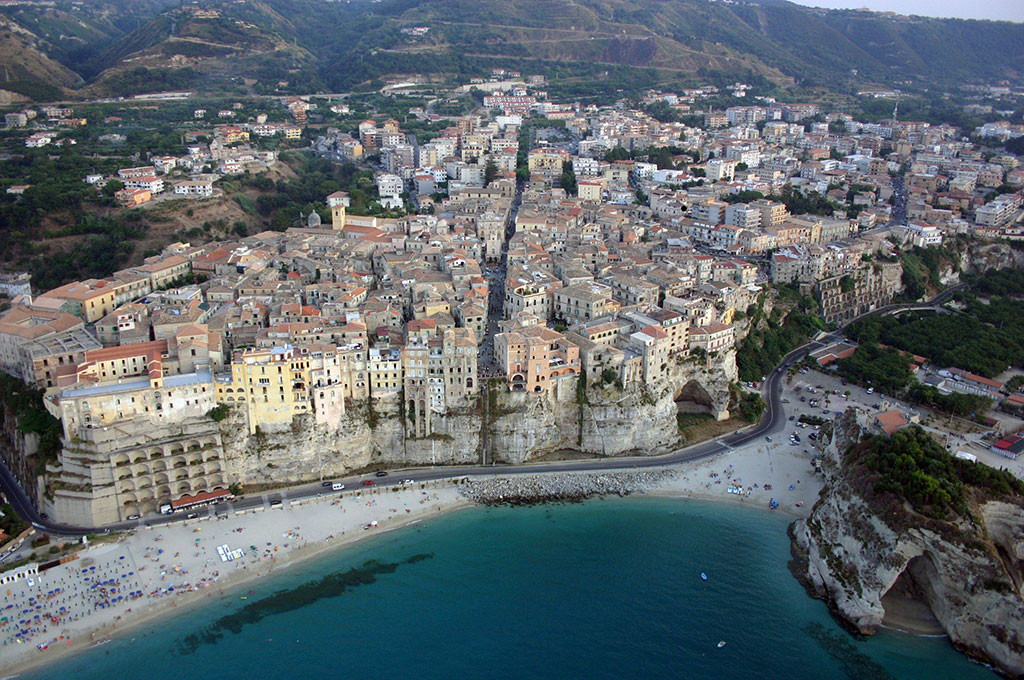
(227, 588)
(696, 481)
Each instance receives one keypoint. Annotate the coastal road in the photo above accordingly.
(772, 420)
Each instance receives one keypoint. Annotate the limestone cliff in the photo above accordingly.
(503, 427)
(859, 544)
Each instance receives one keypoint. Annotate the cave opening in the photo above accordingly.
(693, 398)
(908, 602)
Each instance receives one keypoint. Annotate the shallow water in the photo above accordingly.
(603, 589)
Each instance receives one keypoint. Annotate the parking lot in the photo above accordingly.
(821, 394)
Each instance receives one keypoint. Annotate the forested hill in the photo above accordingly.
(321, 45)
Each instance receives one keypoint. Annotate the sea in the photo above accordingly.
(601, 589)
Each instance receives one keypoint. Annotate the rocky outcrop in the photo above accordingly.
(598, 420)
(851, 554)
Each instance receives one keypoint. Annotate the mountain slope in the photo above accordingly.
(25, 68)
(316, 44)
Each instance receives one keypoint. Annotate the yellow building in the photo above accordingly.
(272, 385)
(590, 190)
(549, 159)
(89, 300)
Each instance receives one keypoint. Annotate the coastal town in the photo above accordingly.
(522, 280)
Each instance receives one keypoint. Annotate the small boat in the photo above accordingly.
(703, 576)
(721, 643)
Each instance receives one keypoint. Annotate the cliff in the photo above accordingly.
(863, 550)
(502, 427)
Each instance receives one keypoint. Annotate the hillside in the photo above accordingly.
(27, 70)
(318, 45)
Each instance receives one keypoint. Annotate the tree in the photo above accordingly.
(568, 180)
(112, 187)
(490, 171)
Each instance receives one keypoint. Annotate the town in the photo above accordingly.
(516, 257)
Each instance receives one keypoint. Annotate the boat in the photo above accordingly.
(721, 643)
(703, 576)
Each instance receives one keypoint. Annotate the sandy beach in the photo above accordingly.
(121, 584)
(756, 474)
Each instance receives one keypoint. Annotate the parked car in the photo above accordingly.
(368, 482)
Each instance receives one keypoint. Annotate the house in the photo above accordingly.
(133, 197)
(148, 182)
(199, 188)
(890, 421)
(1010, 446)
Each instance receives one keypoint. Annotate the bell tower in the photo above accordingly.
(337, 202)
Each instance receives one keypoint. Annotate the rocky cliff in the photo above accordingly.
(502, 427)
(859, 548)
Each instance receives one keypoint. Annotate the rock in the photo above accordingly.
(553, 488)
(969, 576)
(519, 428)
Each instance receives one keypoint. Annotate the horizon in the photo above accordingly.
(993, 10)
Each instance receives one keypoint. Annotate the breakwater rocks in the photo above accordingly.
(558, 488)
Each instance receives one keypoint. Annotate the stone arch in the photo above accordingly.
(693, 398)
(147, 507)
(910, 601)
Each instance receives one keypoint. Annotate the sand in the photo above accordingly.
(144, 565)
(163, 570)
(786, 469)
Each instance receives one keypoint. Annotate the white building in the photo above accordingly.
(200, 188)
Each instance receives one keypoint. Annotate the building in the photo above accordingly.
(583, 302)
(199, 188)
(532, 358)
(847, 296)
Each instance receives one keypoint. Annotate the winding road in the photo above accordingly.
(772, 420)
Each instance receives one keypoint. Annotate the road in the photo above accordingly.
(772, 420)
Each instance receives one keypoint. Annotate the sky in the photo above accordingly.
(1011, 10)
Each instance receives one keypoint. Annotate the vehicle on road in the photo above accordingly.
(192, 515)
(326, 483)
(337, 486)
(368, 482)
(276, 503)
(166, 509)
(407, 481)
(381, 473)
(133, 517)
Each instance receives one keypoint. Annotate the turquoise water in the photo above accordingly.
(604, 589)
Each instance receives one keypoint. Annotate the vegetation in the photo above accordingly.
(10, 524)
(772, 338)
(888, 370)
(812, 204)
(751, 406)
(914, 467)
(883, 368)
(26, 405)
(219, 412)
(986, 340)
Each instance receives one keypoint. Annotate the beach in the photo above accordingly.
(119, 584)
(752, 475)
(129, 580)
